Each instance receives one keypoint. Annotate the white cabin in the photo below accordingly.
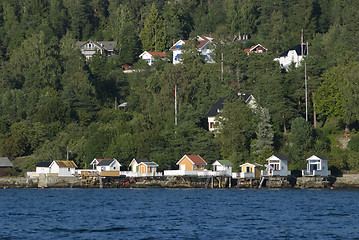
(43, 167)
(292, 56)
(277, 166)
(108, 165)
(63, 168)
(223, 166)
(317, 166)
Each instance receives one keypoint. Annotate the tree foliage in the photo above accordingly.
(52, 98)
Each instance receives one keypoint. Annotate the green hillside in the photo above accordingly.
(52, 99)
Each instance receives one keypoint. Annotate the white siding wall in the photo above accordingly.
(42, 170)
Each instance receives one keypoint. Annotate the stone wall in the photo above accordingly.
(350, 181)
(347, 181)
(314, 182)
(19, 182)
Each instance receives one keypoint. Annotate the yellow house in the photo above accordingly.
(250, 170)
(191, 162)
(147, 167)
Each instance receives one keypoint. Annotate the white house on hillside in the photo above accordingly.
(292, 56)
(149, 57)
(204, 47)
(213, 124)
(256, 49)
(90, 47)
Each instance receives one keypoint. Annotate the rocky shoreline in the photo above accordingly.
(347, 181)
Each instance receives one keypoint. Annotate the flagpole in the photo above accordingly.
(301, 43)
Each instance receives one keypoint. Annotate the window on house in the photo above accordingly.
(68, 169)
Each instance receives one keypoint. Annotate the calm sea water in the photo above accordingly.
(178, 214)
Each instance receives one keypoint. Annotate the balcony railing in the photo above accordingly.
(316, 173)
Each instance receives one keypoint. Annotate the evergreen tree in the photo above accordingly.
(123, 30)
(153, 34)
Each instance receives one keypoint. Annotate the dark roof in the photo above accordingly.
(219, 105)
(298, 49)
(5, 162)
(139, 160)
(282, 157)
(216, 107)
(105, 162)
(108, 45)
(43, 164)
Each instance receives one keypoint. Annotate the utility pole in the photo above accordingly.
(306, 92)
(175, 104)
(221, 66)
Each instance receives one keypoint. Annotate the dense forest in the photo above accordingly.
(52, 100)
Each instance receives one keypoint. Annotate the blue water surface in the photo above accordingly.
(178, 214)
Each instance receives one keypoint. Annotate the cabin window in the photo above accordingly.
(68, 169)
(248, 169)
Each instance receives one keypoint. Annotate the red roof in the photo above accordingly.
(197, 159)
(161, 54)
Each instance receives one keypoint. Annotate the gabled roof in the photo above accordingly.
(297, 49)
(252, 164)
(222, 163)
(218, 106)
(149, 164)
(5, 162)
(106, 162)
(248, 50)
(97, 160)
(203, 40)
(138, 161)
(195, 159)
(277, 157)
(43, 164)
(317, 157)
(65, 164)
(107, 45)
(160, 54)
(178, 44)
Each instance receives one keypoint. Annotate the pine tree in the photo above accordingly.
(153, 35)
